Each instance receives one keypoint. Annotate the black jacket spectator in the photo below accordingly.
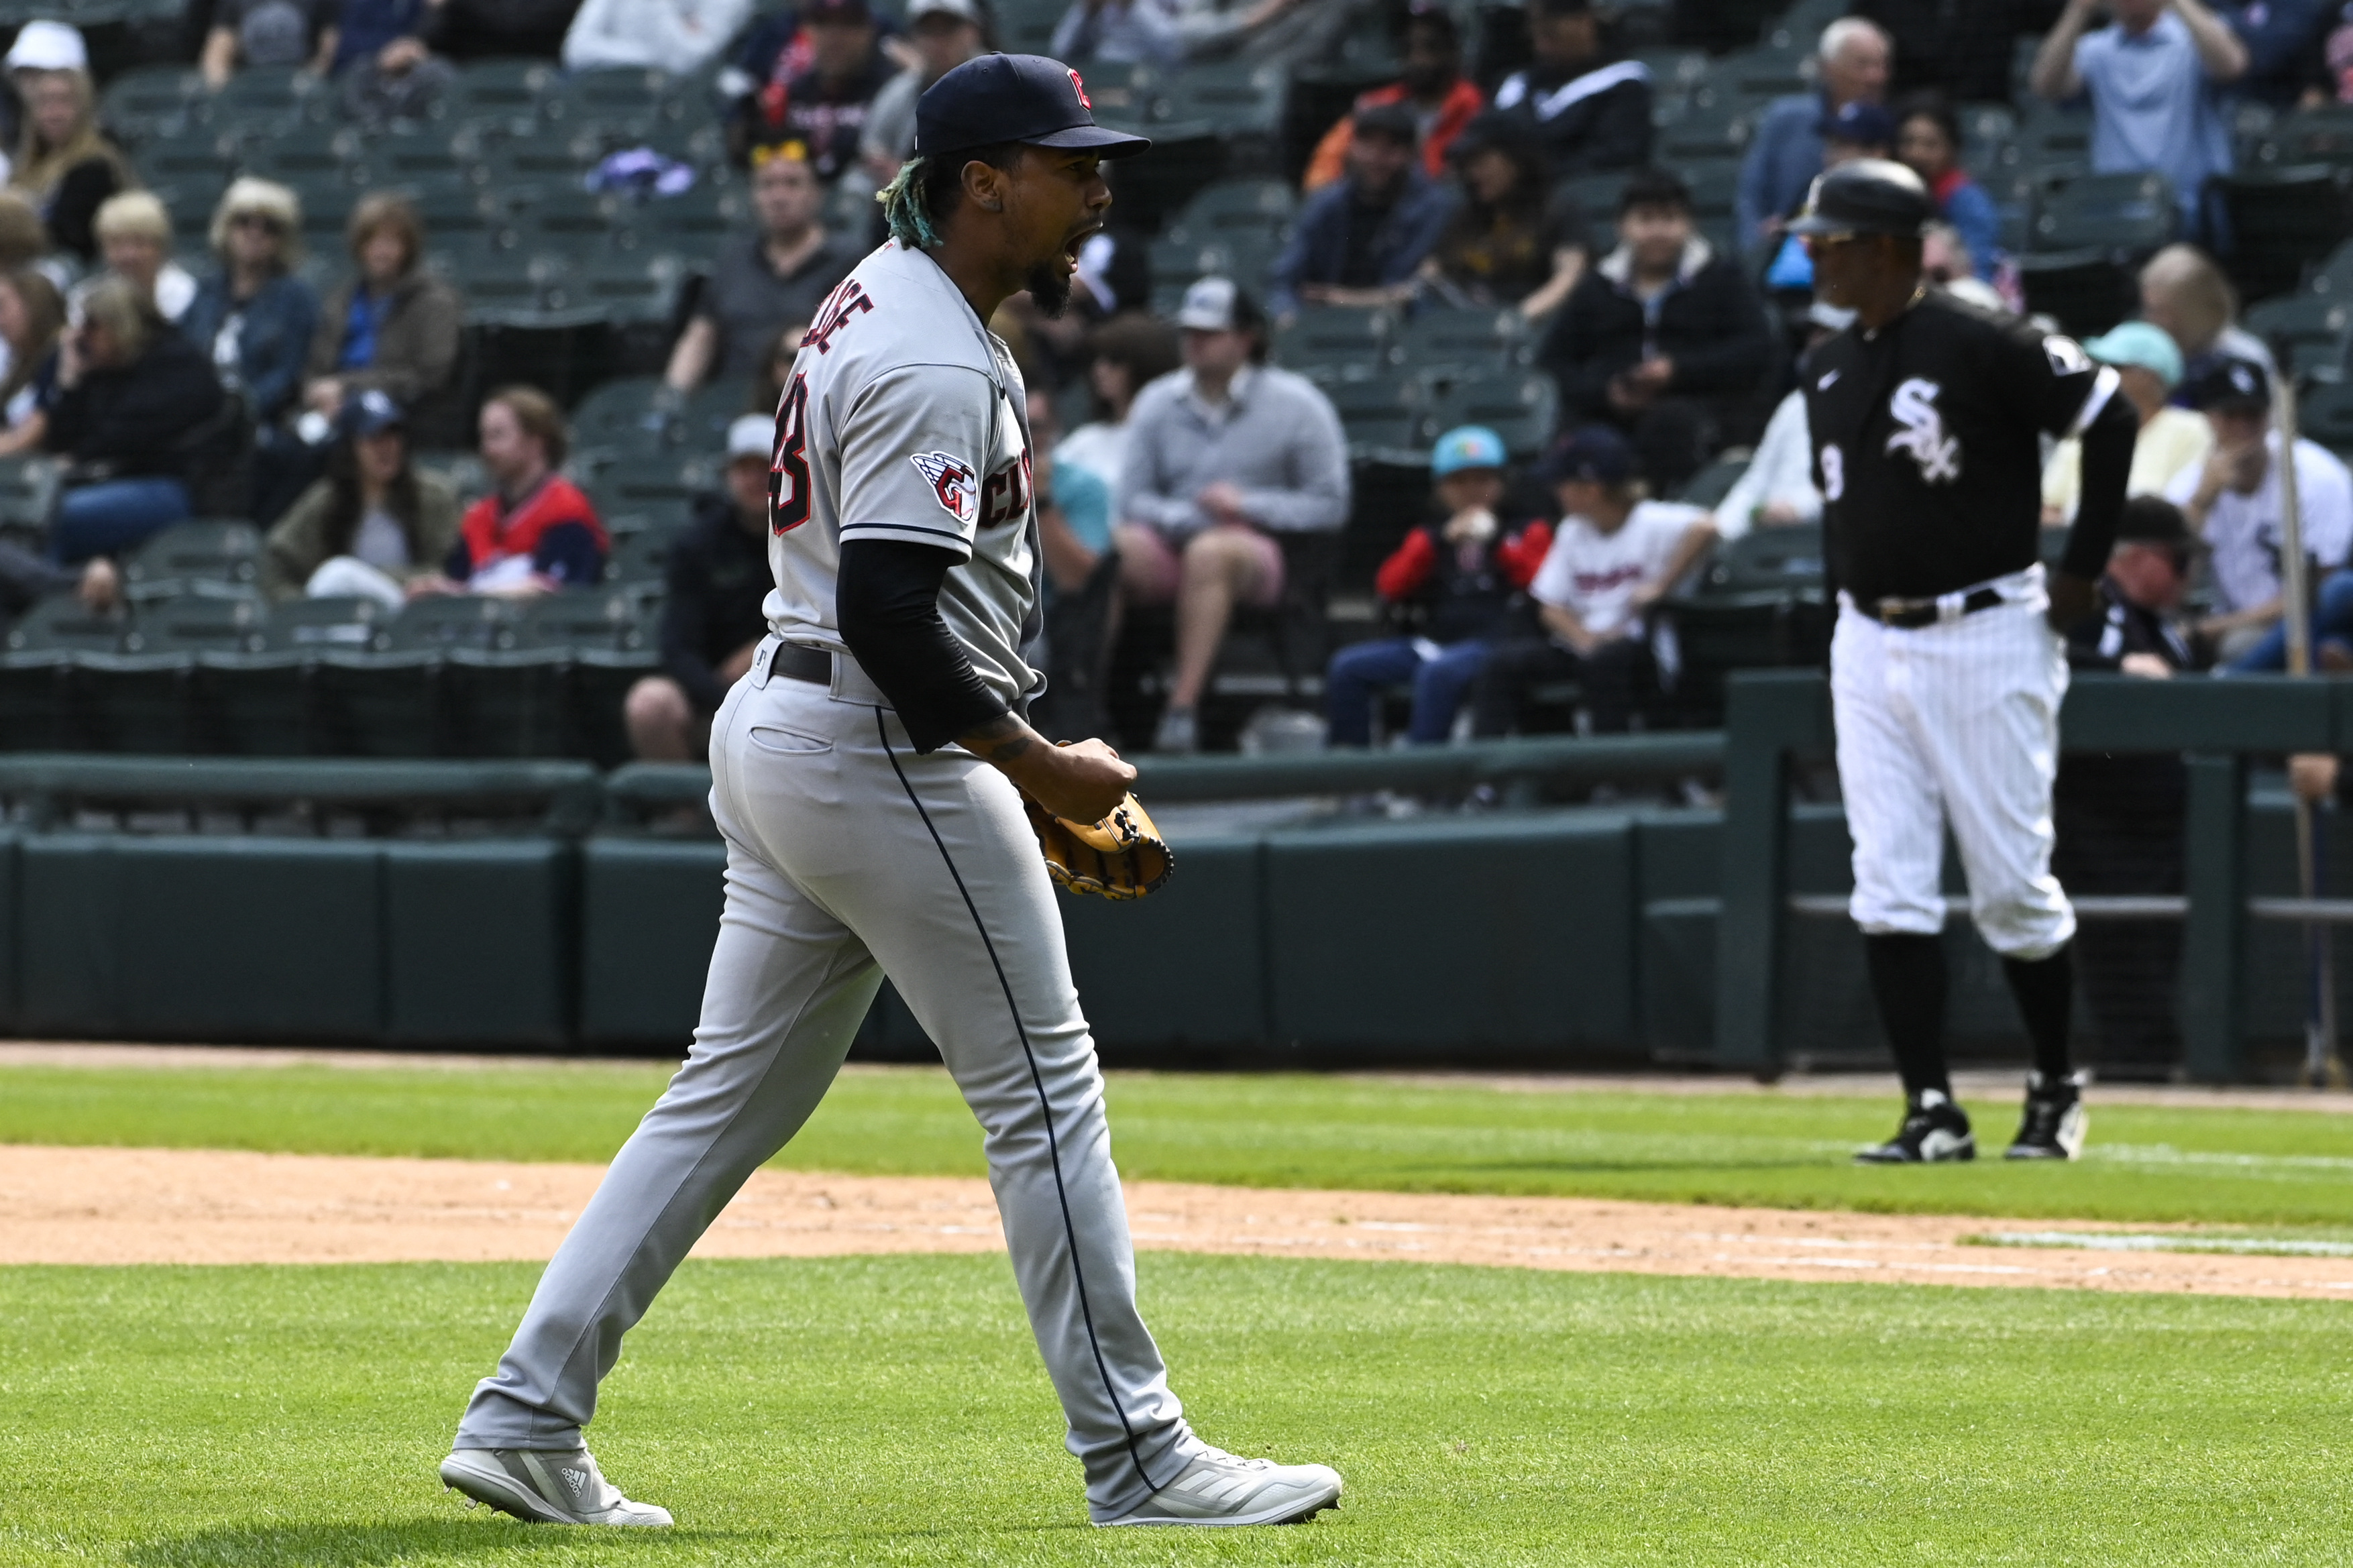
(718, 577)
(1707, 322)
(135, 420)
(1592, 112)
(1960, 48)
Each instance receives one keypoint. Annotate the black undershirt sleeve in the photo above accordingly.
(887, 603)
(2107, 466)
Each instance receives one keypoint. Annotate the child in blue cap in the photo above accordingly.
(1463, 575)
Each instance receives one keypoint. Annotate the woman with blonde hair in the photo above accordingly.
(134, 235)
(254, 317)
(2185, 295)
(65, 166)
(32, 317)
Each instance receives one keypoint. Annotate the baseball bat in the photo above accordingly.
(2321, 1065)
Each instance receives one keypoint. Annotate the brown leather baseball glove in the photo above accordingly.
(1121, 856)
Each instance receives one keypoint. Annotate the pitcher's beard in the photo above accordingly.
(1049, 288)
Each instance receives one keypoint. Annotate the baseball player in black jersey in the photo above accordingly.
(1945, 673)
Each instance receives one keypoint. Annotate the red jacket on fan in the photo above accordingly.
(1468, 589)
(1329, 161)
(552, 534)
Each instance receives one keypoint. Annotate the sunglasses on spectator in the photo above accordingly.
(794, 151)
(262, 221)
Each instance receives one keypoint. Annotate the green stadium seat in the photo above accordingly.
(581, 618)
(1594, 198)
(2312, 136)
(641, 555)
(1256, 205)
(137, 702)
(506, 92)
(1711, 484)
(318, 625)
(1766, 560)
(2087, 291)
(1377, 413)
(199, 623)
(462, 472)
(1026, 27)
(59, 623)
(625, 290)
(601, 678)
(260, 102)
(708, 410)
(440, 623)
(1471, 336)
(1521, 406)
(508, 703)
(2315, 329)
(198, 158)
(378, 704)
(2124, 215)
(150, 102)
(1240, 98)
(2325, 415)
(1331, 335)
(633, 414)
(698, 222)
(255, 704)
(664, 490)
(35, 712)
(224, 551)
(2284, 218)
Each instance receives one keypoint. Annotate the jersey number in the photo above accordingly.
(788, 475)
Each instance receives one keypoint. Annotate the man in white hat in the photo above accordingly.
(717, 574)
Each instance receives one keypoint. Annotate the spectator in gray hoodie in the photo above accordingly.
(1224, 458)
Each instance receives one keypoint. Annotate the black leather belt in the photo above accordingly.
(1911, 615)
(798, 661)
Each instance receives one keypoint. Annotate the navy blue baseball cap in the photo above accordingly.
(1863, 124)
(1014, 98)
(1596, 453)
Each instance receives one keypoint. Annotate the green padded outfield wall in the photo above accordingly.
(201, 938)
(1183, 972)
(480, 943)
(649, 915)
(1508, 937)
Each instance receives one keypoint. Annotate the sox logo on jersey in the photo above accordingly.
(1914, 406)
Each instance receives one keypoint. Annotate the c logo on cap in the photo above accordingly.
(1081, 89)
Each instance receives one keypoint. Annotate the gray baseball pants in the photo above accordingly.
(848, 855)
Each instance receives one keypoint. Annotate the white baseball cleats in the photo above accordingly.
(545, 1487)
(1215, 1488)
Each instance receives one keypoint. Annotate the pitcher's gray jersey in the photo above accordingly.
(903, 420)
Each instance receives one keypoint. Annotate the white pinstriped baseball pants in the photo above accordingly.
(1954, 723)
(848, 855)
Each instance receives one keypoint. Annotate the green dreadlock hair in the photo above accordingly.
(925, 190)
(903, 206)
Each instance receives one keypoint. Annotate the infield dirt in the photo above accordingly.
(105, 1205)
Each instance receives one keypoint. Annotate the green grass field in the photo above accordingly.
(2146, 1164)
(891, 1410)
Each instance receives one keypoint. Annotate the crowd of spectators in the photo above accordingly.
(1210, 485)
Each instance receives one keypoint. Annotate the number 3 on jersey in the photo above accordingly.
(788, 475)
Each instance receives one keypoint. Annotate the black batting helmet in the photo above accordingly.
(1869, 195)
